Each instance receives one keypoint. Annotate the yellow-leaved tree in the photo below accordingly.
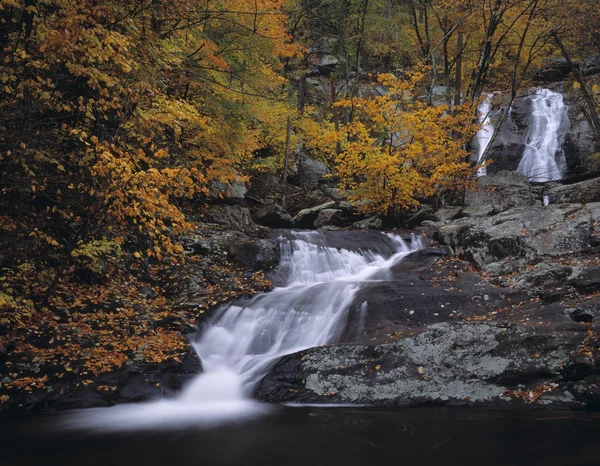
(399, 150)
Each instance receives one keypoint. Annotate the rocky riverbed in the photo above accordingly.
(505, 316)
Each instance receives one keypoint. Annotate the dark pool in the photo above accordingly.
(322, 436)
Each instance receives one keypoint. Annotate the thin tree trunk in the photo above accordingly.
(458, 75)
(288, 138)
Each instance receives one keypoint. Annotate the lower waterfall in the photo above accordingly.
(241, 341)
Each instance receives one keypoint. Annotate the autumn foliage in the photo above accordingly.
(399, 150)
(114, 115)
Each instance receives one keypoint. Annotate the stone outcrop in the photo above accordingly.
(480, 363)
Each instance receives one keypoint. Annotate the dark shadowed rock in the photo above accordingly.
(135, 381)
(553, 71)
(273, 216)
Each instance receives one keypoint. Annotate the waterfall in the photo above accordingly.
(241, 342)
(543, 159)
(486, 131)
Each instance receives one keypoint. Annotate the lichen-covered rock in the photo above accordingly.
(473, 363)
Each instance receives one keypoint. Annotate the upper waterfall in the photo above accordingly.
(242, 340)
(544, 159)
(486, 131)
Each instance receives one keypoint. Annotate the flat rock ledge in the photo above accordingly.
(496, 364)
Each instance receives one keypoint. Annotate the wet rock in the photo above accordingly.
(306, 217)
(470, 363)
(273, 216)
(588, 392)
(232, 216)
(255, 254)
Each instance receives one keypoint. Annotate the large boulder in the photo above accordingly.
(502, 190)
(273, 216)
(306, 218)
(479, 363)
(232, 216)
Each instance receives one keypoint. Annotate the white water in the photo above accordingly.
(543, 159)
(243, 340)
(486, 131)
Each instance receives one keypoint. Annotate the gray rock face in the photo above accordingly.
(579, 193)
(521, 235)
(273, 216)
(470, 363)
(233, 216)
(306, 218)
(503, 190)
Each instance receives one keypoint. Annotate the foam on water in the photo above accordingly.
(243, 340)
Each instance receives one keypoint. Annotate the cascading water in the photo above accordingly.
(486, 131)
(242, 340)
(543, 159)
